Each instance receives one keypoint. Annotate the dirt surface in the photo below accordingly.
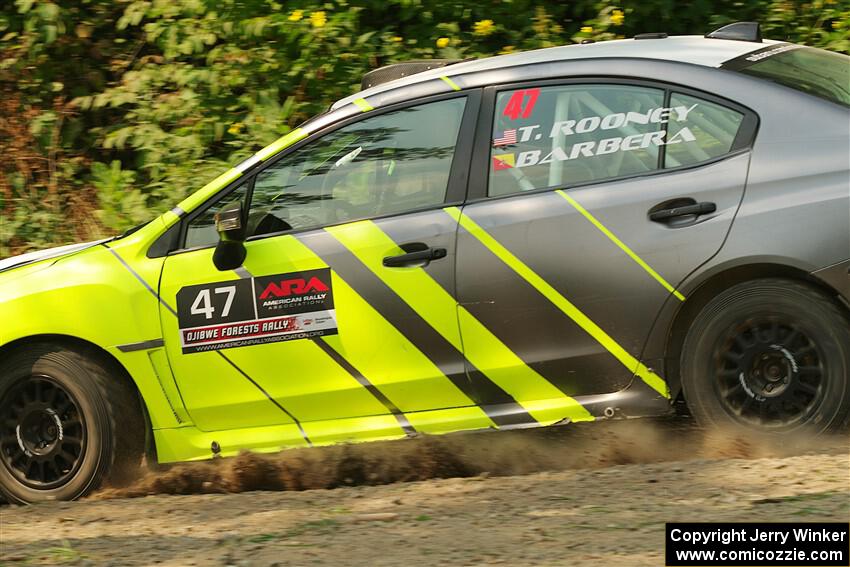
(596, 494)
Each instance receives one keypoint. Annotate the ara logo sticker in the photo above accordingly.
(294, 293)
(267, 309)
(298, 286)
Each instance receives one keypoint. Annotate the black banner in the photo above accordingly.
(820, 544)
(239, 313)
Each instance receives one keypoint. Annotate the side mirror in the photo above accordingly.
(230, 252)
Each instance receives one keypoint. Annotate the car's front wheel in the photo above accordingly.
(67, 424)
(771, 355)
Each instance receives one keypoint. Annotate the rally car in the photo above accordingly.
(582, 232)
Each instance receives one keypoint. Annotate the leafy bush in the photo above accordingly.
(168, 93)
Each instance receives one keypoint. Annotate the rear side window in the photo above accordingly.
(554, 136)
(559, 136)
(707, 131)
(814, 71)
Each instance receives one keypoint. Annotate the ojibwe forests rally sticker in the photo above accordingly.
(261, 310)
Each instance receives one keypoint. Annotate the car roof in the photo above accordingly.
(693, 49)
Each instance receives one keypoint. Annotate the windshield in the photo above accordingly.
(814, 71)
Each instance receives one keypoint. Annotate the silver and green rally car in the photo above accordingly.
(576, 233)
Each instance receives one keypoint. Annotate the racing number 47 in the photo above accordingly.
(203, 303)
(517, 105)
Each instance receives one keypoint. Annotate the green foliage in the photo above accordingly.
(122, 205)
(169, 92)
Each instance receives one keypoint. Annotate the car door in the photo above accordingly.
(598, 198)
(321, 331)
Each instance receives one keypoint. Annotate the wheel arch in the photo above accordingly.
(88, 347)
(715, 283)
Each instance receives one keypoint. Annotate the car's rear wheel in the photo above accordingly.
(771, 355)
(68, 422)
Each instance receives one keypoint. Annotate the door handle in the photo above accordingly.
(416, 253)
(697, 209)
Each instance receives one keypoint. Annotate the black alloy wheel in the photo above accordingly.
(70, 421)
(43, 434)
(771, 373)
(769, 355)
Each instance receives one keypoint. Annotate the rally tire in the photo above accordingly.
(770, 355)
(98, 416)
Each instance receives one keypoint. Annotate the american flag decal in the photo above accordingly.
(505, 138)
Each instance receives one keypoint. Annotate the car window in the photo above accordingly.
(386, 164)
(201, 231)
(562, 135)
(815, 71)
(707, 131)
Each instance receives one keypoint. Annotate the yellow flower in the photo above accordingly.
(484, 27)
(397, 38)
(442, 42)
(318, 19)
(836, 24)
(617, 17)
(507, 49)
(586, 29)
(235, 128)
(296, 15)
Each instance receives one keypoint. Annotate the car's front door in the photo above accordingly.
(580, 231)
(322, 332)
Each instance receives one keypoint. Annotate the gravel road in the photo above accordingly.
(596, 495)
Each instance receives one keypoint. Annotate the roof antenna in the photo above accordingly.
(739, 31)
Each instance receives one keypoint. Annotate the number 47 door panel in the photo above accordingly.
(384, 369)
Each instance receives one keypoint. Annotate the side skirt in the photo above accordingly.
(191, 444)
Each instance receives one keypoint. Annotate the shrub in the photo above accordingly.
(168, 93)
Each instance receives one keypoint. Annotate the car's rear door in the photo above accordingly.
(578, 226)
(340, 324)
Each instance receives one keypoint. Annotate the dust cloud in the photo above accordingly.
(506, 453)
